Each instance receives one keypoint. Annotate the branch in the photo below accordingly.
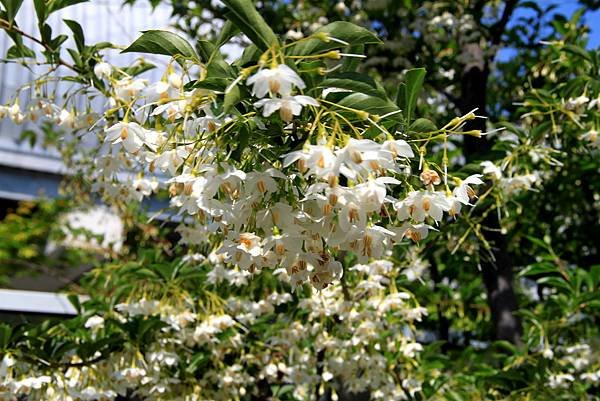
(498, 29)
(12, 28)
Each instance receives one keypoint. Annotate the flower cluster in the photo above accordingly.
(300, 350)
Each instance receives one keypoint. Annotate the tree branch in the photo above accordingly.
(498, 29)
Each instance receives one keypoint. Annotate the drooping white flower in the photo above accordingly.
(131, 135)
(144, 187)
(102, 70)
(288, 106)
(463, 192)
(319, 160)
(415, 232)
(128, 88)
(278, 80)
(592, 138)
(398, 148)
(160, 90)
(15, 114)
(243, 251)
(66, 118)
(491, 169)
(418, 205)
(94, 322)
(360, 156)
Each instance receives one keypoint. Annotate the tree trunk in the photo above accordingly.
(497, 269)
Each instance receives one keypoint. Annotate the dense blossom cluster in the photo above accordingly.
(294, 209)
(299, 188)
(351, 351)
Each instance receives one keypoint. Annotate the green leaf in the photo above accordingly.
(216, 66)
(21, 51)
(556, 282)
(55, 5)
(40, 10)
(12, 8)
(250, 55)
(422, 125)
(578, 51)
(77, 33)
(5, 334)
(355, 82)
(227, 32)
(161, 42)
(409, 92)
(350, 64)
(345, 31)
(211, 83)
(538, 268)
(242, 140)
(198, 360)
(74, 299)
(231, 98)
(370, 104)
(245, 16)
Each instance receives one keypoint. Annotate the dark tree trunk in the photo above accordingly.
(497, 268)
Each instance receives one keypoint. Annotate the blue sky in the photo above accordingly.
(567, 8)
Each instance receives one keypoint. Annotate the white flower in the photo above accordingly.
(170, 160)
(103, 70)
(415, 232)
(410, 350)
(491, 169)
(288, 106)
(144, 187)
(362, 156)
(260, 183)
(398, 147)
(573, 103)
(131, 135)
(94, 322)
(278, 80)
(159, 91)
(15, 114)
(66, 118)
(548, 353)
(128, 88)
(175, 80)
(463, 192)
(560, 380)
(8, 361)
(294, 34)
(592, 138)
(243, 251)
(319, 160)
(420, 204)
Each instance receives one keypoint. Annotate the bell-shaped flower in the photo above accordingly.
(278, 80)
(288, 106)
(463, 192)
(372, 193)
(102, 70)
(131, 135)
(128, 88)
(361, 156)
(352, 213)
(415, 232)
(171, 160)
(398, 148)
(316, 160)
(491, 169)
(243, 251)
(418, 205)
